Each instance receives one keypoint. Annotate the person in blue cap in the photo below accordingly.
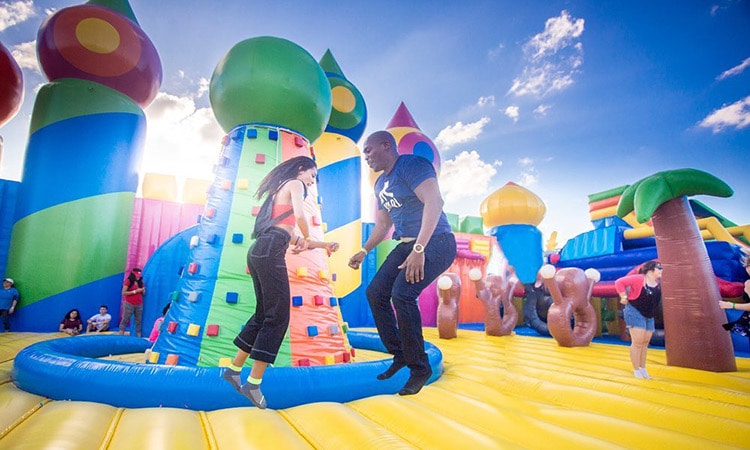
(8, 300)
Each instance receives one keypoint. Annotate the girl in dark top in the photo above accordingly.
(740, 326)
(641, 294)
(71, 324)
(264, 332)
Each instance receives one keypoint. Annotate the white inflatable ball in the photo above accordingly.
(547, 271)
(593, 274)
(475, 274)
(444, 283)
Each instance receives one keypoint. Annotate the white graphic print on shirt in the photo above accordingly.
(387, 199)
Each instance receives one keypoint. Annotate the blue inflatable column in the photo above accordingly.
(522, 246)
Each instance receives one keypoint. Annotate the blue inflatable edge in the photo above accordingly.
(66, 369)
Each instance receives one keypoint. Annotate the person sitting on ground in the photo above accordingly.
(71, 323)
(99, 322)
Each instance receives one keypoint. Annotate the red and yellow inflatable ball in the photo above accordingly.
(95, 43)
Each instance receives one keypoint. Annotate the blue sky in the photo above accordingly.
(566, 98)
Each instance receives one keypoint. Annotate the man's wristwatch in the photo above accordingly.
(418, 248)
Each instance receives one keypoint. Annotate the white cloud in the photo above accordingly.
(182, 84)
(203, 84)
(167, 108)
(724, 6)
(486, 101)
(576, 60)
(513, 112)
(495, 52)
(528, 178)
(466, 166)
(542, 109)
(736, 70)
(554, 57)
(182, 140)
(15, 12)
(460, 133)
(561, 82)
(532, 81)
(736, 115)
(542, 80)
(559, 32)
(529, 175)
(25, 55)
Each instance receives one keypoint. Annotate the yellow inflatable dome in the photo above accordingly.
(512, 204)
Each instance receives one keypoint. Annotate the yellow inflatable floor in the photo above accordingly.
(496, 392)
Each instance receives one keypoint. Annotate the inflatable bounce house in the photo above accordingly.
(71, 227)
(617, 246)
(200, 271)
(271, 112)
(69, 237)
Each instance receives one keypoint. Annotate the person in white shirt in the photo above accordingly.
(99, 322)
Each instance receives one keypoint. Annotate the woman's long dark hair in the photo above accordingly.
(132, 280)
(67, 316)
(288, 170)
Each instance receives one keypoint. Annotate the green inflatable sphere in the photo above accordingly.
(271, 81)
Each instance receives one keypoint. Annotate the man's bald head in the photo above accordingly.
(382, 137)
(380, 151)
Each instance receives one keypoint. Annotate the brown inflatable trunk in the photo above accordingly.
(693, 334)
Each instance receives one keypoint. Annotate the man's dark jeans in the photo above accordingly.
(401, 333)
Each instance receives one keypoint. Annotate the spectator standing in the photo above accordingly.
(8, 300)
(133, 290)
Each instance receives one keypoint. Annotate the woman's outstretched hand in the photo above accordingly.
(300, 245)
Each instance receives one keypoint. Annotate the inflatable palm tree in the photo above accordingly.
(690, 294)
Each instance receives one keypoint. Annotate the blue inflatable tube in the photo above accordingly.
(66, 369)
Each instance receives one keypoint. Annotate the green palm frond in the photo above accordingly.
(647, 194)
